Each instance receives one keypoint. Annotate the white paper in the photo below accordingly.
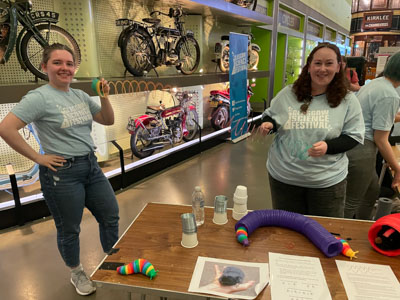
(297, 277)
(364, 281)
(208, 271)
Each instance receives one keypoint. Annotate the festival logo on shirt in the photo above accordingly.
(75, 115)
(315, 119)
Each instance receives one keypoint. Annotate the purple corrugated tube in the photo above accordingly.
(320, 237)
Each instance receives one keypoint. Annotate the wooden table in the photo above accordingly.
(156, 236)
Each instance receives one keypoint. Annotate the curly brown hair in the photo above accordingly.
(337, 88)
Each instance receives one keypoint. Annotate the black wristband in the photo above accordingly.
(340, 144)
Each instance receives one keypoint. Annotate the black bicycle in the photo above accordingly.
(145, 47)
(38, 31)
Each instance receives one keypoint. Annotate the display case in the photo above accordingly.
(93, 24)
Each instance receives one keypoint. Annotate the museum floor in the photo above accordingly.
(32, 269)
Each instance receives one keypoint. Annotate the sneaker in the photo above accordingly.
(83, 285)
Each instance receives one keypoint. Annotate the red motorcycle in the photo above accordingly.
(220, 102)
(161, 126)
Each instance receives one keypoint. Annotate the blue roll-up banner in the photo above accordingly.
(238, 83)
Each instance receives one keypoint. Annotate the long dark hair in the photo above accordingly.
(337, 88)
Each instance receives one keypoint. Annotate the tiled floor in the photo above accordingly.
(31, 267)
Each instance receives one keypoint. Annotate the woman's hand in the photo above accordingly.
(318, 149)
(266, 127)
(105, 87)
(50, 161)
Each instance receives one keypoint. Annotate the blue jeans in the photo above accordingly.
(328, 202)
(79, 183)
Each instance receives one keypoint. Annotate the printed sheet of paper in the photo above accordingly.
(364, 281)
(229, 278)
(297, 277)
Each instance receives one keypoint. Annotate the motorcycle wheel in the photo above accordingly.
(224, 61)
(138, 52)
(138, 143)
(192, 119)
(220, 117)
(254, 58)
(32, 51)
(189, 52)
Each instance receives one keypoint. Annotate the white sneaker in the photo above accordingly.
(83, 285)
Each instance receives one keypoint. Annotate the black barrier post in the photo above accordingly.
(265, 103)
(198, 126)
(17, 200)
(121, 161)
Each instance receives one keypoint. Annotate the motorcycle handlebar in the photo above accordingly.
(172, 13)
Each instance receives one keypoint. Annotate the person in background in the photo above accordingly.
(351, 76)
(316, 121)
(70, 176)
(380, 102)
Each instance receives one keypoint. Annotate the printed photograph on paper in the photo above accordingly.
(228, 278)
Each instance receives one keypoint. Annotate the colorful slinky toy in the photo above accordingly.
(97, 87)
(140, 265)
(316, 233)
(347, 251)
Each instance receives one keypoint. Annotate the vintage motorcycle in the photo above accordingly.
(220, 103)
(38, 30)
(145, 47)
(221, 52)
(161, 126)
(250, 4)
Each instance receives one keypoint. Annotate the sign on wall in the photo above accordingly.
(377, 20)
(314, 29)
(289, 20)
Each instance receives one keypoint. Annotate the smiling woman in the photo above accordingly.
(70, 176)
(307, 157)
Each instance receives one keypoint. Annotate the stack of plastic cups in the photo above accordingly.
(239, 202)
(189, 231)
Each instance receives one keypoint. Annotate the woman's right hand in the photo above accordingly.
(266, 127)
(50, 161)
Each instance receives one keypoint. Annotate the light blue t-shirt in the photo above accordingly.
(379, 102)
(288, 159)
(63, 120)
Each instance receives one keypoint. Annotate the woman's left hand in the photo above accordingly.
(318, 149)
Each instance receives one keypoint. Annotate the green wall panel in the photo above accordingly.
(263, 39)
(279, 63)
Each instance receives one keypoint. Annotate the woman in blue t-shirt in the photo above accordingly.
(379, 101)
(70, 176)
(316, 121)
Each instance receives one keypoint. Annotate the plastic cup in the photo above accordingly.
(237, 215)
(220, 215)
(241, 191)
(189, 231)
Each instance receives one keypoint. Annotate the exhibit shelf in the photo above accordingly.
(14, 92)
(228, 12)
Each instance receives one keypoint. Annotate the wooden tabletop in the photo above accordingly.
(156, 236)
